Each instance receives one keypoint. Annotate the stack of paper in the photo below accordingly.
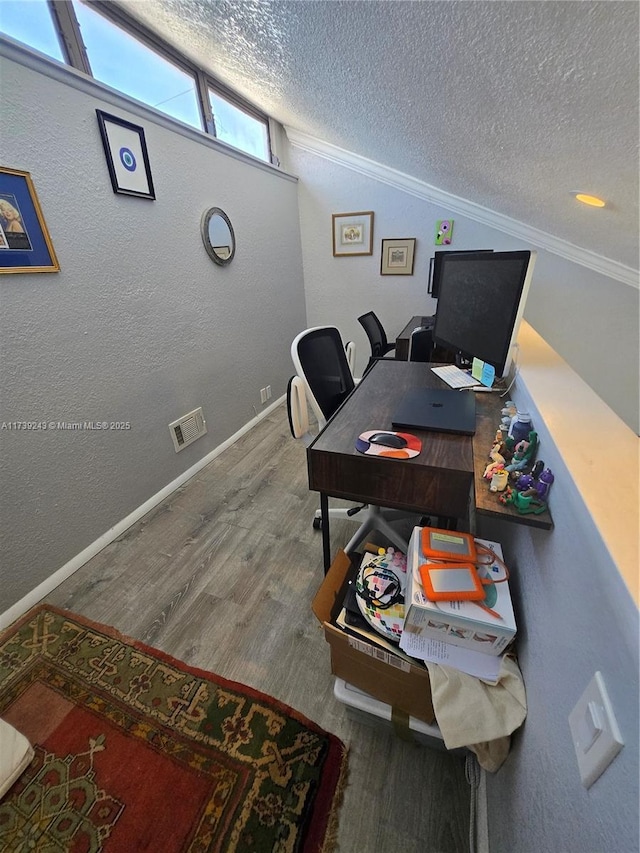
(473, 663)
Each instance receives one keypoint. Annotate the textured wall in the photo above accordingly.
(140, 325)
(575, 617)
(589, 319)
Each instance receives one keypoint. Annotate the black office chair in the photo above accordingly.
(324, 380)
(377, 337)
(421, 344)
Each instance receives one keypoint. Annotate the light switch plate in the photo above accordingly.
(596, 736)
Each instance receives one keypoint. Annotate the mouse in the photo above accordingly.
(388, 439)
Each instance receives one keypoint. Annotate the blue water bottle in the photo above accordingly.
(520, 427)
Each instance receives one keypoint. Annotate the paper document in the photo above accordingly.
(483, 372)
(466, 660)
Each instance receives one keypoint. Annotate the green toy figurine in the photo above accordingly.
(523, 503)
(524, 454)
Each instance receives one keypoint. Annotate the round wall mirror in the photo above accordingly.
(217, 236)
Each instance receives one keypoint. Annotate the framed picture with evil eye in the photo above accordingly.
(127, 156)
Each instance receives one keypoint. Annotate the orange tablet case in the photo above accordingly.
(448, 545)
(437, 587)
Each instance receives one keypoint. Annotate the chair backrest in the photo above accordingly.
(319, 358)
(421, 344)
(376, 334)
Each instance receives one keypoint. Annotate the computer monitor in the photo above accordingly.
(435, 268)
(481, 303)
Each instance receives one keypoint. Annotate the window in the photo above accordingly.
(31, 24)
(122, 61)
(99, 39)
(238, 127)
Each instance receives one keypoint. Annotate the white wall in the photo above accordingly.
(140, 325)
(590, 319)
(575, 589)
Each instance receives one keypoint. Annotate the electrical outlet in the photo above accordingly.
(596, 736)
(268, 390)
(263, 395)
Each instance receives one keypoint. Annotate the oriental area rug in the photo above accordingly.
(136, 751)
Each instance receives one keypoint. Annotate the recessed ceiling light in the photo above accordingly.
(591, 200)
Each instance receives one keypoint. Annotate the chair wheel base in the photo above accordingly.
(317, 524)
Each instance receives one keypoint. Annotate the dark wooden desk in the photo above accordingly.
(439, 481)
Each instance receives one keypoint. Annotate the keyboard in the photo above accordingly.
(455, 377)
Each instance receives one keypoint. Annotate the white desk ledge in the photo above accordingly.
(598, 448)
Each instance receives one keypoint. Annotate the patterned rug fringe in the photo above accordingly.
(331, 838)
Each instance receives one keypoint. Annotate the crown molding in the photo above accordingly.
(420, 189)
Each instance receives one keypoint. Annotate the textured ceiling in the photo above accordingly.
(508, 104)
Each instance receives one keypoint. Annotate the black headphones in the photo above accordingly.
(391, 593)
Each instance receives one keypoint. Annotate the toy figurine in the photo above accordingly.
(545, 482)
(498, 461)
(524, 482)
(524, 504)
(509, 411)
(499, 481)
(519, 459)
(503, 449)
(540, 487)
(493, 468)
(525, 451)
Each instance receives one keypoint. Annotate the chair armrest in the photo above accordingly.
(297, 409)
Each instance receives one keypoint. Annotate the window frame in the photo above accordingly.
(211, 84)
(70, 36)
(68, 30)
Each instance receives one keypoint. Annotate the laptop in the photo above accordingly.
(437, 410)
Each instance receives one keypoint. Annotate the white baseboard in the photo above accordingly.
(42, 590)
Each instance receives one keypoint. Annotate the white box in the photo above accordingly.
(365, 709)
(462, 623)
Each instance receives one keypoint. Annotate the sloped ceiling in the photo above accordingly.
(511, 105)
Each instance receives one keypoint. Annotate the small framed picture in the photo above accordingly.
(25, 244)
(127, 157)
(444, 232)
(397, 256)
(352, 233)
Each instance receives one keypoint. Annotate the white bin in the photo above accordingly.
(364, 709)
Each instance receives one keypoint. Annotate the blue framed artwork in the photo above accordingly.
(127, 157)
(25, 244)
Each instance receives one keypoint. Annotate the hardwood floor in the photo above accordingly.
(221, 575)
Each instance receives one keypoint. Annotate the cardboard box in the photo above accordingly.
(462, 623)
(381, 674)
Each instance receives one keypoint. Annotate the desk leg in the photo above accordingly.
(326, 541)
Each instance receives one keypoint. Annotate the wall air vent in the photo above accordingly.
(187, 429)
